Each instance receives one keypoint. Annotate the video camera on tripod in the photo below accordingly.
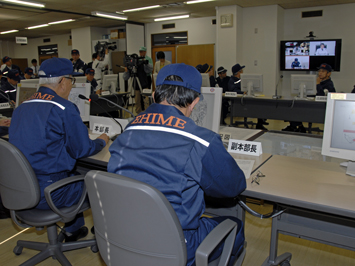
(101, 47)
(133, 61)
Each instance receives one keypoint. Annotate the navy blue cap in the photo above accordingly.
(75, 51)
(5, 59)
(14, 74)
(221, 70)
(236, 68)
(90, 71)
(326, 67)
(296, 59)
(29, 70)
(56, 67)
(192, 79)
(206, 68)
(198, 67)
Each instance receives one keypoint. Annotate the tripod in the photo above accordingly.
(132, 83)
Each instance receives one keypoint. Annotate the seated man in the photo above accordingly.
(10, 86)
(223, 81)
(90, 73)
(206, 68)
(35, 68)
(166, 149)
(28, 73)
(48, 130)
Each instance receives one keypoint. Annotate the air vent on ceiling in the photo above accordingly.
(169, 26)
(311, 14)
(47, 40)
(214, 21)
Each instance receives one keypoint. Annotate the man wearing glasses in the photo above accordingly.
(47, 128)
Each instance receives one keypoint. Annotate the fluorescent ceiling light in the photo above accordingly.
(141, 8)
(26, 3)
(38, 26)
(9, 31)
(179, 37)
(108, 15)
(61, 21)
(171, 18)
(197, 1)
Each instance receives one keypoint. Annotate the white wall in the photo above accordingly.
(338, 21)
(30, 51)
(81, 40)
(200, 30)
(7, 49)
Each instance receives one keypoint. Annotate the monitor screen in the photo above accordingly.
(83, 105)
(25, 91)
(109, 83)
(303, 85)
(207, 112)
(80, 79)
(309, 55)
(252, 83)
(339, 127)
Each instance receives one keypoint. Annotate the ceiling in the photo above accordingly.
(18, 17)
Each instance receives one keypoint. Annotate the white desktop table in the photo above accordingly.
(318, 197)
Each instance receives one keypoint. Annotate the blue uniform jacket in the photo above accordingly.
(79, 66)
(234, 85)
(93, 85)
(326, 84)
(50, 133)
(169, 151)
(9, 90)
(223, 83)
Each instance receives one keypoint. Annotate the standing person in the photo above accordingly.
(99, 66)
(35, 67)
(48, 130)
(10, 86)
(161, 62)
(185, 161)
(143, 53)
(223, 81)
(78, 64)
(90, 73)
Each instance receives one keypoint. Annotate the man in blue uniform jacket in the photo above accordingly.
(324, 82)
(90, 73)
(9, 88)
(78, 64)
(48, 130)
(166, 149)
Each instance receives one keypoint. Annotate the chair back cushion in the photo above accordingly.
(19, 187)
(134, 222)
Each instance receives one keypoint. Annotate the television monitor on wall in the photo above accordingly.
(308, 55)
(339, 128)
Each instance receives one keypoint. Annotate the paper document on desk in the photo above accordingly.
(246, 166)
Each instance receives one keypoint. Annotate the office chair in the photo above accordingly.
(20, 194)
(136, 225)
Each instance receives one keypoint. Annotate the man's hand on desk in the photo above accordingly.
(104, 137)
(5, 123)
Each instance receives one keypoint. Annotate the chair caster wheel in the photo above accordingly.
(285, 263)
(94, 248)
(18, 250)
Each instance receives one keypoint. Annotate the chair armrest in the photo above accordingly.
(68, 216)
(226, 228)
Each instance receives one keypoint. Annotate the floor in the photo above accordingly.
(257, 231)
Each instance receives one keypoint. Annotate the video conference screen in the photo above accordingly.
(309, 55)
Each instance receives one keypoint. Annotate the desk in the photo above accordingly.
(102, 105)
(278, 109)
(7, 112)
(318, 197)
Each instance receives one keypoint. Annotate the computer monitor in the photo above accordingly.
(80, 79)
(339, 128)
(205, 80)
(83, 106)
(25, 91)
(29, 81)
(303, 85)
(252, 83)
(109, 83)
(155, 78)
(207, 112)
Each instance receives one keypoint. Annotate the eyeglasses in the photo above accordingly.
(256, 178)
(72, 80)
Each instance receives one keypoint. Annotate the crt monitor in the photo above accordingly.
(339, 128)
(29, 81)
(83, 105)
(252, 83)
(80, 79)
(109, 83)
(25, 91)
(207, 112)
(205, 80)
(303, 85)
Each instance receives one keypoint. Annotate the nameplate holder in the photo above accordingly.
(4, 105)
(105, 93)
(321, 98)
(101, 128)
(245, 147)
(147, 91)
(230, 94)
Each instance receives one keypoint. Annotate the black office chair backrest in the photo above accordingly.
(19, 187)
(134, 222)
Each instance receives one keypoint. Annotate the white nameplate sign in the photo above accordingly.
(100, 129)
(147, 91)
(105, 93)
(321, 98)
(245, 147)
(4, 105)
(230, 94)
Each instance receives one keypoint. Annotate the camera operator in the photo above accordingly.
(99, 66)
(143, 53)
(142, 68)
